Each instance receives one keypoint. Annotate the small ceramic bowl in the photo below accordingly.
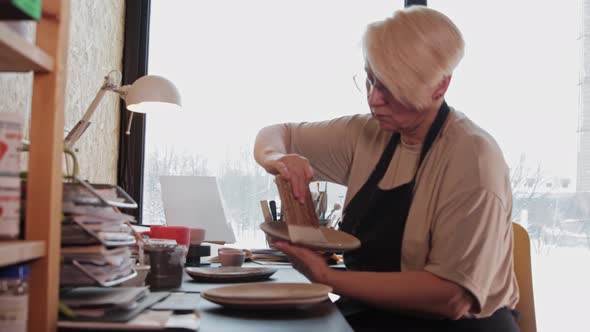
(231, 257)
(219, 250)
(197, 235)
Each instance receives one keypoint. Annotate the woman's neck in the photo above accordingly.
(417, 134)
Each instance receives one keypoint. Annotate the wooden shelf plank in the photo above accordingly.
(52, 9)
(13, 252)
(44, 191)
(19, 55)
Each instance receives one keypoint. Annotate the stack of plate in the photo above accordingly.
(268, 296)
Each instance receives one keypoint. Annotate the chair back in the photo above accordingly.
(522, 269)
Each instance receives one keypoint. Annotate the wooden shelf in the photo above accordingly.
(13, 252)
(19, 55)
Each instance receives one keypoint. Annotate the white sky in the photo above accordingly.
(519, 77)
(241, 65)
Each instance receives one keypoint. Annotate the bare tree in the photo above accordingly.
(243, 184)
(542, 205)
(525, 183)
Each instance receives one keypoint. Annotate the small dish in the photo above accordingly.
(337, 241)
(231, 257)
(216, 259)
(197, 235)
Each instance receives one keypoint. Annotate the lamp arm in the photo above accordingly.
(122, 91)
(84, 123)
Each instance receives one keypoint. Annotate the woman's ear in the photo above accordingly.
(441, 88)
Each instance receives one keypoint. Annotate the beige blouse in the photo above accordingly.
(459, 225)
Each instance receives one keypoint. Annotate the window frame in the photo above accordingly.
(135, 65)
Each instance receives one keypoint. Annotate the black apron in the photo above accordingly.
(378, 219)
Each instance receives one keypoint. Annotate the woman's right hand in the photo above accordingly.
(295, 169)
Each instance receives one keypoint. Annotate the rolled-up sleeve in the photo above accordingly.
(328, 145)
(470, 241)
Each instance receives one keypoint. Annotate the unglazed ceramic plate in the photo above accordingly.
(229, 273)
(336, 240)
(268, 295)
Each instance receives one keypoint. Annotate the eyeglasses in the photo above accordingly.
(369, 83)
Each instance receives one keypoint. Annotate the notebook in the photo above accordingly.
(195, 201)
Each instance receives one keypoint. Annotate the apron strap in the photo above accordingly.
(434, 130)
(385, 159)
(387, 155)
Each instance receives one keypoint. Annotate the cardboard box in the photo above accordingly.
(11, 135)
(20, 9)
(9, 207)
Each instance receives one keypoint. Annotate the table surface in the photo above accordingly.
(324, 316)
(321, 317)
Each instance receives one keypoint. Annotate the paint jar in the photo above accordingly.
(14, 298)
(166, 260)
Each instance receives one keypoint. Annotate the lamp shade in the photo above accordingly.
(152, 92)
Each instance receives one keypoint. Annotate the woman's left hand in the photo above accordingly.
(308, 262)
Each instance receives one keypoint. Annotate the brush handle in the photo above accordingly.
(273, 210)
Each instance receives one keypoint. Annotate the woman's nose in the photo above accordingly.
(375, 97)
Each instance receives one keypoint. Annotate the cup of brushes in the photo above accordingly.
(301, 224)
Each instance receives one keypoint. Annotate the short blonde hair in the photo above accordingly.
(412, 51)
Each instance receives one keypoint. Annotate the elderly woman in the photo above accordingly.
(428, 190)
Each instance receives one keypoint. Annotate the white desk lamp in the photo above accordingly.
(146, 94)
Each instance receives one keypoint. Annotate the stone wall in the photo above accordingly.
(95, 48)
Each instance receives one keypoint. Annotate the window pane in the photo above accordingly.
(520, 80)
(242, 65)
